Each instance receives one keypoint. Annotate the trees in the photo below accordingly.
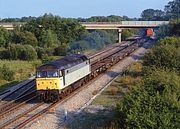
(151, 14)
(4, 37)
(22, 52)
(48, 38)
(165, 55)
(127, 33)
(24, 37)
(111, 18)
(29, 53)
(172, 9)
(175, 28)
(60, 50)
(67, 30)
(153, 103)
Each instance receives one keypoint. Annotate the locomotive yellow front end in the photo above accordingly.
(48, 84)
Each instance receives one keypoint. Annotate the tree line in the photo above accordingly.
(171, 11)
(50, 35)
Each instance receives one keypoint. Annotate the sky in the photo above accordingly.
(77, 8)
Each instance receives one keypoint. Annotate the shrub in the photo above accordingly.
(174, 41)
(17, 51)
(40, 52)
(4, 37)
(166, 56)
(153, 103)
(60, 50)
(24, 37)
(30, 53)
(22, 52)
(6, 73)
(4, 53)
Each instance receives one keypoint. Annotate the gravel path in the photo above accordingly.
(56, 119)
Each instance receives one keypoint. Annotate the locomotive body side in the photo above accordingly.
(76, 72)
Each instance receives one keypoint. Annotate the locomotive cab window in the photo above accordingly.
(41, 74)
(52, 74)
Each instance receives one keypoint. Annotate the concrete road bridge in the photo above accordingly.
(105, 25)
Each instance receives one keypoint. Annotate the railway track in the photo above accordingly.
(13, 105)
(115, 54)
(112, 49)
(19, 92)
(18, 96)
(35, 112)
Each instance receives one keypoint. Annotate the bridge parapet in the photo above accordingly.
(104, 25)
(130, 23)
(123, 24)
(126, 23)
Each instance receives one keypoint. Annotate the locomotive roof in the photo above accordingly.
(64, 63)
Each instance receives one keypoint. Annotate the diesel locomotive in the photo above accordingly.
(55, 78)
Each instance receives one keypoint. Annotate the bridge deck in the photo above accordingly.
(123, 24)
(105, 25)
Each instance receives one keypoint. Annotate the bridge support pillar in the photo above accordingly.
(119, 35)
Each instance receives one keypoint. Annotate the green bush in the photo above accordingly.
(153, 103)
(16, 51)
(4, 37)
(164, 55)
(6, 73)
(24, 37)
(60, 50)
(22, 52)
(30, 53)
(40, 52)
(174, 41)
(4, 53)
(126, 33)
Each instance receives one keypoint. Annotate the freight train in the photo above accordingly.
(56, 79)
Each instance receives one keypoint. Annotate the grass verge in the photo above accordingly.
(22, 69)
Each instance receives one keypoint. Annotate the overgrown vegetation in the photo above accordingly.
(6, 73)
(153, 103)
(12, 72)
